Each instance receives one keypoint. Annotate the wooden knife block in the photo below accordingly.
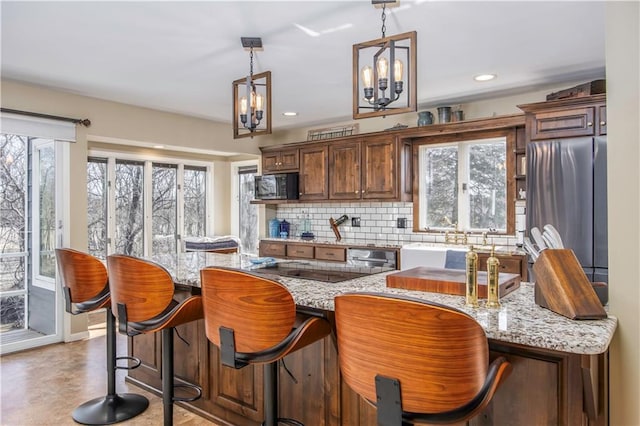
(565, 287)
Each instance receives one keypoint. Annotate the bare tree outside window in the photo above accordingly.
(248, 219)
(164, 207)
(13, 186)
(97, 206)
(480, 166)
(488, 186)
(129, 190)
(441, 180)
(195, 201)
(47, 210)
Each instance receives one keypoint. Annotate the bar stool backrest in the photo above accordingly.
(144, 287)
(84, 275)
(439, 355)
(260, 311)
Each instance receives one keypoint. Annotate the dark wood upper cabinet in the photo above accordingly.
(565, 118)
(314, 172)
(280, 161)
(380, 176)
(345, 165)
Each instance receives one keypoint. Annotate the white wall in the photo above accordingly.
(623, 142)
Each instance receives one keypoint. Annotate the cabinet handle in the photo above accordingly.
(589, 124)
(603, 123)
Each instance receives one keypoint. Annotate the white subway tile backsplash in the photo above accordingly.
(377, 222)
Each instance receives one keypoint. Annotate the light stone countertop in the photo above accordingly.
(519, 320)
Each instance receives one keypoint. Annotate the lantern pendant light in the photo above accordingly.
(380, 86)
(252, 98)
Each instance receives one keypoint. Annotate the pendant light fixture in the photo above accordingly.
(252, 98)
(380, 86)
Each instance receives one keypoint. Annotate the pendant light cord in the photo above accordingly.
(384, 18)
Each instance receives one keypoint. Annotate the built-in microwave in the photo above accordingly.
(279, 186)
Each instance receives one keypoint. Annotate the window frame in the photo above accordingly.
(149, 161)
(510, 137)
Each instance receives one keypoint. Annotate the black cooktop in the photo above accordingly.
(315, 274)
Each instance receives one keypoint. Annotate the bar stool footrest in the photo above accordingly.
(292, 422)
(198, 390)
(136, 362)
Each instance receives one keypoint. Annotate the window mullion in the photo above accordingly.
(463, 186)
(148, 208)
(111, 204)
(180, 207)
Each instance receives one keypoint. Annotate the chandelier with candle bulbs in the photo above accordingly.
(252, 98)
(380, 86)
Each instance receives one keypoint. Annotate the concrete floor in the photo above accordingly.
(43, 386)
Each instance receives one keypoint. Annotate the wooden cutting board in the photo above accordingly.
(448, 281)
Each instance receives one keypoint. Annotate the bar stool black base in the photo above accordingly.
(107, 410)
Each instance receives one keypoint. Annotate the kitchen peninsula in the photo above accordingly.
(560, 366)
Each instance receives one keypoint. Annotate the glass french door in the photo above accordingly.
(30, 228)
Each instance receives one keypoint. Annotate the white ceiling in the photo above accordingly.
(182, 56)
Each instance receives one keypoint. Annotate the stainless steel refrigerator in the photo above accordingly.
(567, 187)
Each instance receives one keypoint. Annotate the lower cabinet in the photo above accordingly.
(228, 395)
(544, 388)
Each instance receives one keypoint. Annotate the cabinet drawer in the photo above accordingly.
(299, 250)
(562, 124)
(272, 249)
(508, 264)
(331, 253)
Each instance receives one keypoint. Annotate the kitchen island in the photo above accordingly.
(559, 366)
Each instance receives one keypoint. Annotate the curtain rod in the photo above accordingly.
(85, 122)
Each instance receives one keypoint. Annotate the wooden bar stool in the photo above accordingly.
(253, 320)
(145, 301)
(414, 360)
(86, 288)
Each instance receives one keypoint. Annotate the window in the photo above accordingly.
(129, 202)
(195, 206)
(464, 184)
(97, 206)
(141, 208)
(165, 208)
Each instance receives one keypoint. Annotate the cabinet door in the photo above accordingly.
(379, 162)
(563, 123)
(314, 173)
(344, 163)
(278, 161)
(270, 162)
(289, 159)
(602, 120)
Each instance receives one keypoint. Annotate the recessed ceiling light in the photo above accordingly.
(484, 77)
(290, 114)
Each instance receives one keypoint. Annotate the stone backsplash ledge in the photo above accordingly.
(378, 223)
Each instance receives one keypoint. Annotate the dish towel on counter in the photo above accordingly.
(456, 259)
(211, 243)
